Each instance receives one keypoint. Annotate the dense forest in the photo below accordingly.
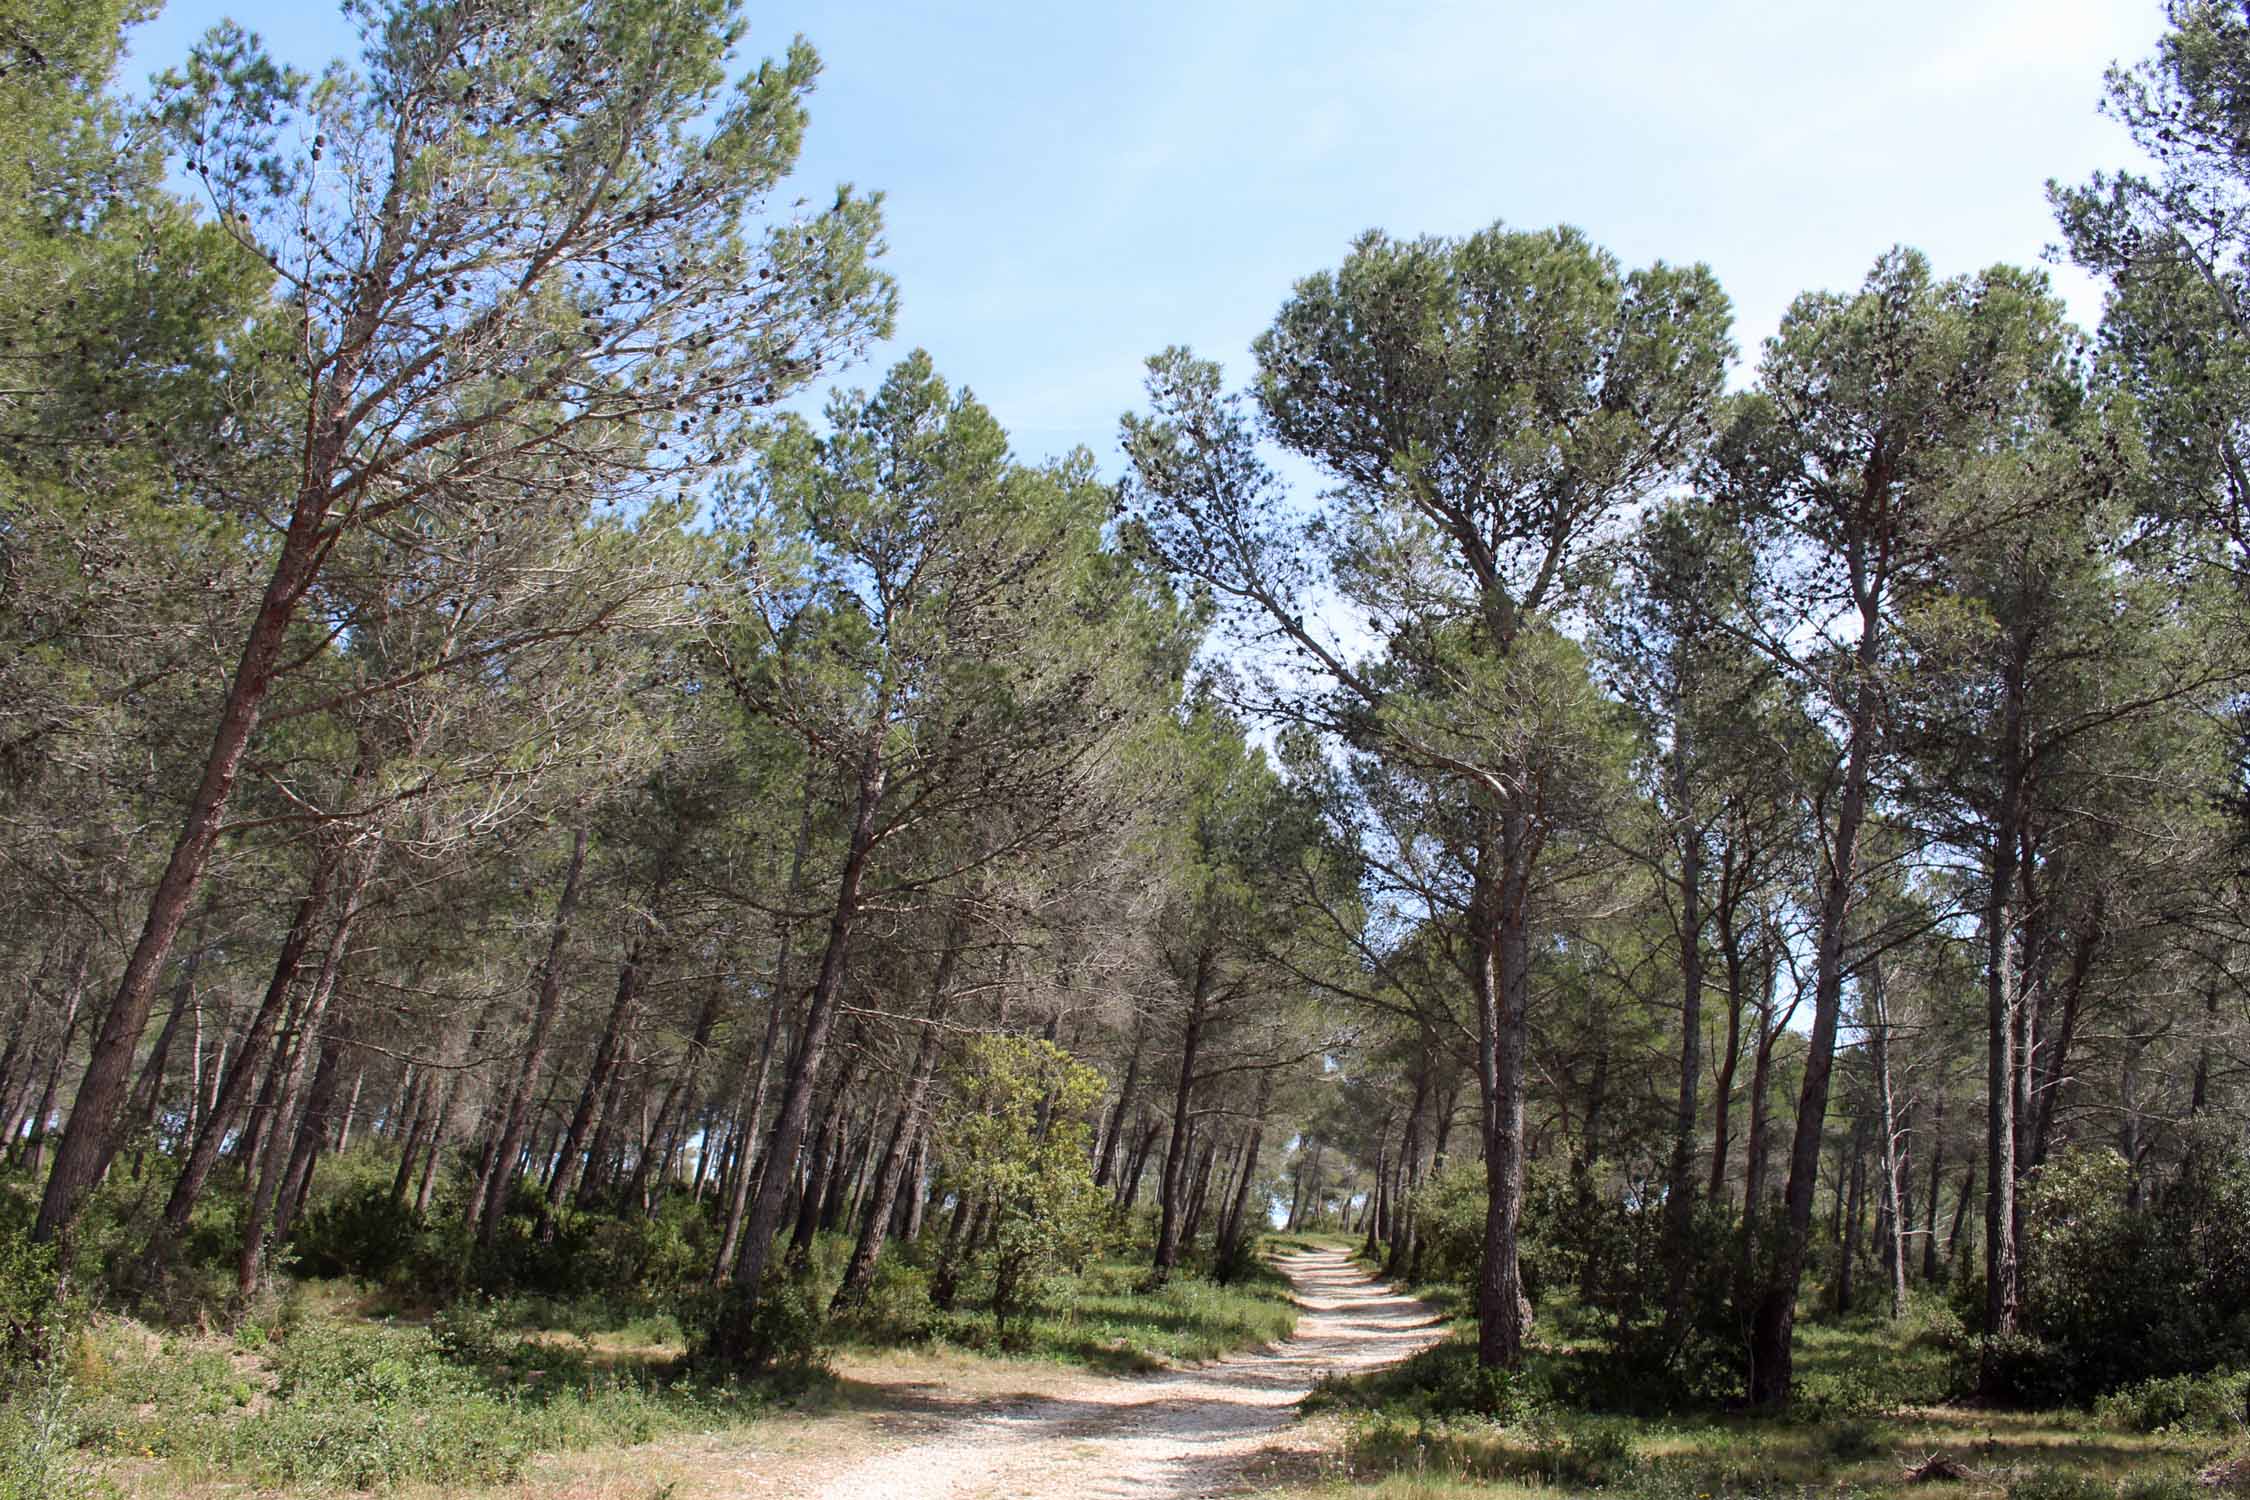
(501, 792)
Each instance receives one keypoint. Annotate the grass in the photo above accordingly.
(1871, 1405)
(1105, 1318)
(334, 1402)
(321, 1392)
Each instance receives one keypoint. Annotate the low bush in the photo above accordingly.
(2214, 1404)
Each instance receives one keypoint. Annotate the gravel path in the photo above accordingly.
(1163, 1438)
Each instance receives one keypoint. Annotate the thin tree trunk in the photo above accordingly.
(282, 1125)
(85, 1142)
(234, 1089)
(1893, 1158)
(820, 1019)
(859, 1273)
(1113, 1127)
(750, 1102)
(1776, 1314)
(1172, 1203)
(1230, 1229)
(825, 1160)
(1937, 1171)
(599, 1077)
(493, 1182)
(1722, 1088)
(73, 996)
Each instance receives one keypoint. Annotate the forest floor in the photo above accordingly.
(346, 1400)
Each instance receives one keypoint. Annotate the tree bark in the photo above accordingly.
(93, 1113)
(1502, 981)
(906, 1132)
(599, 1076)
(234, 1089)
(1171, 1207)
(73, 996)
(491, 1204)
(820, 1019)
(750, 1100)
(2003, 1017)
(1775, 1319)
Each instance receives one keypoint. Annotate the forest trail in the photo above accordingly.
(1166, 1437)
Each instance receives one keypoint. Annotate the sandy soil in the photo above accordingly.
(1167, 1437)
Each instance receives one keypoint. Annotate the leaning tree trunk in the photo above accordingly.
(820, 1019)
(825, 1161)
(1774, 1319)
(1172, 1207)
(281, 1128)
(312, 1133)
(913, 1107)
(608, 1053)
(73, 997)
(241, 1074)
(750, 1099)
(86, 1140)
(490, 1205)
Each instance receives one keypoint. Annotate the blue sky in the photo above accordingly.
(1072, 187)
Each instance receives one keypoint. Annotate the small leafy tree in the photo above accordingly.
(1015, 1138)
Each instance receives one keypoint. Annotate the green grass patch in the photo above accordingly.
(330, 1404)
(1102, 1317)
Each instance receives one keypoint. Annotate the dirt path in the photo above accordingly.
(1163, 1438)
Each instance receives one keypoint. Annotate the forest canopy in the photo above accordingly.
(501, 794)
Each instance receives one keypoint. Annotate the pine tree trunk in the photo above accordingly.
(750, 1101)
(86, 1140)
(820, 1018)
(600, 1075)
(859, 1273)
(498, 1174)
(73, 996)
(234, 1088)
(1172, 1204)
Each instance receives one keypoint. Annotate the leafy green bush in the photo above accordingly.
(2179, 1403)
(1583, 1455)
(469, 1332)
(35, 1316)
(39, 1322)
(1441, 1382)
(782, 1331)
(2112, 1298)
(364, 1233)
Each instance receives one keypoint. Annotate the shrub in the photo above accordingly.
(1851, 1440)
(2179, 1403)
(364, 1233)
(469, 1332)
(35, 1315)
(1013, 1137)
(1583, 1454)
(779, 1332)
(2112, 1298)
